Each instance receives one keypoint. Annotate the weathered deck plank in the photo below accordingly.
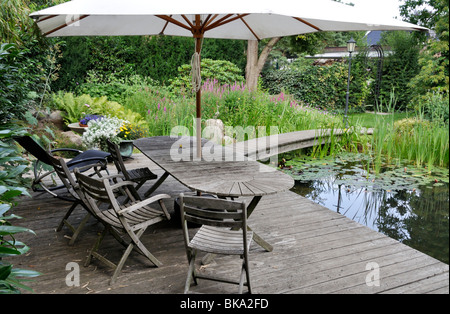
(315, 251)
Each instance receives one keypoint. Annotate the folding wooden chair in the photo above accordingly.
(131, 218)
(138, 175)
(68, 180)
(224, 231)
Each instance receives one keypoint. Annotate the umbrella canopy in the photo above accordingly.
(231, 19)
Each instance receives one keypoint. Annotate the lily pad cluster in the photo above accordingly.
(356, 171)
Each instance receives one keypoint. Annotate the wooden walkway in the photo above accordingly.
(265, 147)
(315, 251)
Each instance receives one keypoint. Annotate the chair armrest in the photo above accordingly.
(143, 203)
(113, 176)
(120, 184)
(66, 150)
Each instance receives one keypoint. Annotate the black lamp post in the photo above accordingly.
(351, 45)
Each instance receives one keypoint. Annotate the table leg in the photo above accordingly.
(258, 240)
(157, 184)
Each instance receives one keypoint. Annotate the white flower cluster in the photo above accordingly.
(100, 130)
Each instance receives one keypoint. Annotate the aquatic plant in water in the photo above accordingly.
(357, 171)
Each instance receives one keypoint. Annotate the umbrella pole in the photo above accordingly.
(198, 105)
(198, 35)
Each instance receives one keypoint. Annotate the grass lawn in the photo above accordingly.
(368, 120)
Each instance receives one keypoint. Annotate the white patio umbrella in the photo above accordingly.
(231, 19)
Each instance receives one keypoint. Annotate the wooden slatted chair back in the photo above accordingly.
(63, 173)
(213, 212)
(114, 150)
(93, 191)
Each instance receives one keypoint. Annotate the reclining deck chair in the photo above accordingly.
(131, 218)
(138, 175)
(95, 160)
(224, 231)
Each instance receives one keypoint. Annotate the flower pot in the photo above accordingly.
(126, 148)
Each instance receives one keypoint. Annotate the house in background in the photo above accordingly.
(336, 53)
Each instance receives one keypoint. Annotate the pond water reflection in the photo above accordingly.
(417, 216)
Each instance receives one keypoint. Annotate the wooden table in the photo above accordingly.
(221, 171)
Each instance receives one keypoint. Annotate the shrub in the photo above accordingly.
(399, 68)
(13, 89)
(317, 86)
(434, 106)
(224, 72)
(406, 126)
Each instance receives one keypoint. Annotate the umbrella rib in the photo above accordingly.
(307, 23)
(251, 30)
(65, 25)
(187, 21)
(173, 21)
(164, 28)
(206, 21)
(45, 18)
(224, 21)
(217, 22)
(209, 20)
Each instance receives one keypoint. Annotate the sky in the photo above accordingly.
(380, 7)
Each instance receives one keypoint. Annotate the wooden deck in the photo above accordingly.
(315, 251)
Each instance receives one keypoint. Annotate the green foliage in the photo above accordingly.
(315, 86)
(434, 59)
(27, 67)
(13, 89)
(25, 75)
(115, 89)
(225, 49)
(406, 126)
(399, 68)
(325, 86)
(224, 72)
(76, 107)
(433, 75)
(423, 12)
(416, 140)
(434, 106)
(15, 24)
(155, 57)
(234, 105)
(12, 186)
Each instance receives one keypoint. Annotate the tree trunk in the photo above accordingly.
(255, 64)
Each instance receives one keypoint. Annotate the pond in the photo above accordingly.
(409, 204)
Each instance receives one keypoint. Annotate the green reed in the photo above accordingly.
(417, 140)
